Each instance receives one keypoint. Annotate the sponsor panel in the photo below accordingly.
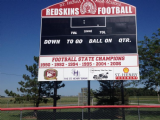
(126, 73)
(75, 74)
(50, 74)
(101, 73)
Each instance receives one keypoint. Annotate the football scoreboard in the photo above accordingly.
(88, 40)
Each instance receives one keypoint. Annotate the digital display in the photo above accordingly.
(88, 22)
(88, 35)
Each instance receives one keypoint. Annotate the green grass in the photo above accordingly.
(146, 117)
(130, 114)
(145, 113)
(7, 103)
(15, 115)
(144, 99)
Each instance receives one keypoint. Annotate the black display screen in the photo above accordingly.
(88, 35)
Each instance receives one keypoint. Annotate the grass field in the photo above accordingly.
(130, 114)
(73, 101)
(9, 102)
(144, 99)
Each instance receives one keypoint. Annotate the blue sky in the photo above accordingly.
(20, 22)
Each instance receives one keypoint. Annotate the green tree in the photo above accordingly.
(29, 87)
(49, 89)
(110, 93)
(140, 92)
(149, 60)
(33, 90)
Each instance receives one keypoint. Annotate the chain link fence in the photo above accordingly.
(83, 113)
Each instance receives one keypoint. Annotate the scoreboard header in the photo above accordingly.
(89, 7)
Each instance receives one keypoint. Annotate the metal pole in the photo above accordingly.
(138, 108)
(158, 92)
(55, 100)
(78, 99)
(138, 114)
(122, 95)
(20, 115)
(88, 99)
(39, 94)
(7, 105)
(82, 114)
(55, 93)
(88, 92)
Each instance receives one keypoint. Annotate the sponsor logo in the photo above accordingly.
(92, 70)
(101, 76)
(125, 70)
(126, 75)
(75, 73)
(50, 74)
(88, 7)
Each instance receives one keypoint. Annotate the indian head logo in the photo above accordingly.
(50, 74)
(88, 6)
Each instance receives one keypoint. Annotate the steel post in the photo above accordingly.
(20, 115)
(82, 114)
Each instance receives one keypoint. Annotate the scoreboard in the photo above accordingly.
(84, 35)
(88, 40)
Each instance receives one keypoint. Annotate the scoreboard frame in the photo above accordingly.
(71, 62)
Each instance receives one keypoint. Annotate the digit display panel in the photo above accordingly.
(111, 34)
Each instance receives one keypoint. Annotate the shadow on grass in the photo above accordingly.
(94, 114)
(107, 113)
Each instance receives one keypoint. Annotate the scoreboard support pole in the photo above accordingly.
(122, 92)
(55, 99)
(39, 93)
(122, 96)
(88, 99)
